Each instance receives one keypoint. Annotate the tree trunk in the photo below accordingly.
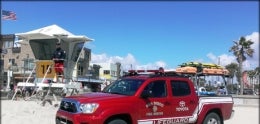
(241, 76)
(232, 83)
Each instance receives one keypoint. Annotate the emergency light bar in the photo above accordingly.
(145, 72)
(160, 70)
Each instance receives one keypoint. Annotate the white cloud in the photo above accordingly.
(212, 57)
(254, 61)
(161, 64)
(104, 58)
(128, 62)
(99, 58)
(223, 59)
(250, 63)
(155, 65)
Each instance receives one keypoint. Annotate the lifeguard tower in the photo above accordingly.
(42, 42)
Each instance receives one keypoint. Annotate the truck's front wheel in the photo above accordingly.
(212, 118)
(117, 121)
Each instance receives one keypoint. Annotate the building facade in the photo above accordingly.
(17, 60)
(109, 71)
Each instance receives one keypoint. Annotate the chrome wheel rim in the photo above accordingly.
(212, 121)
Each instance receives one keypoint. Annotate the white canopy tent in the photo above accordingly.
(52, 31)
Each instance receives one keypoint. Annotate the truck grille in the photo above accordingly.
(63, 121)
(69, 106)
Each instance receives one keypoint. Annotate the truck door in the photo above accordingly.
(183, 101)
(156, 105)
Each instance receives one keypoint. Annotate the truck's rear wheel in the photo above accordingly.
(117, 121)
(212, 118)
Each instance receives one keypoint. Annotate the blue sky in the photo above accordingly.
(147, 34)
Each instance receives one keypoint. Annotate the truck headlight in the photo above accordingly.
(88, 107)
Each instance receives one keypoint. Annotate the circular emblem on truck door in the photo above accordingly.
(182, 103)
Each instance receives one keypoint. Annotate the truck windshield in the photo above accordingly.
(124, 86)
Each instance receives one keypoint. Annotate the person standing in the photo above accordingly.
(58, 57)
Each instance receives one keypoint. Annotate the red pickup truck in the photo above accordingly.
(145, 99)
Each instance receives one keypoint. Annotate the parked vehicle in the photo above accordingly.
(248, 92)
(145, 99)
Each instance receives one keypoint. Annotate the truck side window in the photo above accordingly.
(157, 88)
(180, 88)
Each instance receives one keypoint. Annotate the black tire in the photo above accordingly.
(117, 121)
(212, 118)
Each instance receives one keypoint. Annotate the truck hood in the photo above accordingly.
(96, 97)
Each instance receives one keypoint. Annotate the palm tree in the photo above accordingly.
(233, 69)
(257, 71)
(241, 49)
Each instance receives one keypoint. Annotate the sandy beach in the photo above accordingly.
(32, 112)
(27, 112)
